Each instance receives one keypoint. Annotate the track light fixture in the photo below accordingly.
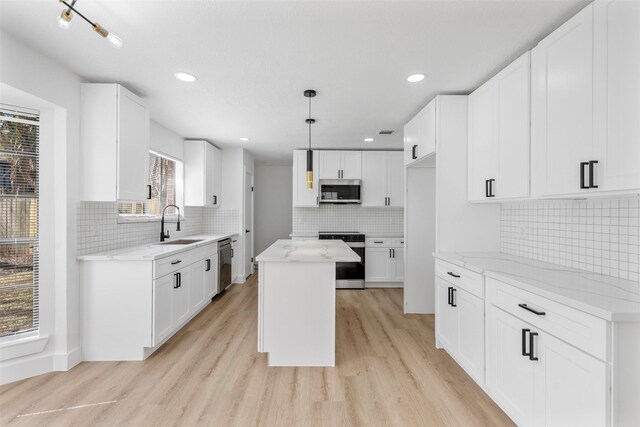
(65, 19)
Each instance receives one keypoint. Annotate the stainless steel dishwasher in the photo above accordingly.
(224, 264)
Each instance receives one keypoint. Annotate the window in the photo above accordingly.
(165, 185)
(19, 244)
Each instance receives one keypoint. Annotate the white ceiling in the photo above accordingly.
(254, 59)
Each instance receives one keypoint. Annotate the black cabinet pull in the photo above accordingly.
(393, 253)
(452, 274)
(486, 188)
(538, 313)
(176, 285)
(449, 296)
(176, 262)
(490, 189)
(591, 174)
(376, 241)
(582, 183)
(414, 155)
(232, 253)
(149, 192)
(208, 267)
(215, 199)
(531, 342)
(453, 297)
(524, 342)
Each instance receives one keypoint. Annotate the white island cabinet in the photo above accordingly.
(297, 301)
(134, 299)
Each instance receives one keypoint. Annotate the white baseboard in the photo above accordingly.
(368, 285)
(31, 366)
(64, 361)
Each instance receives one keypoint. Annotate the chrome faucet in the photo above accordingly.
(164, 235)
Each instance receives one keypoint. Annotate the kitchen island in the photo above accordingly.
(297, 301)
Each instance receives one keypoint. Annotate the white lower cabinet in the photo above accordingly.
(197, 292)
(537, 378)
(460, 326)
(384, 260)
(163, 307)
(235, 263)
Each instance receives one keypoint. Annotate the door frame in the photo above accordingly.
(246, 226)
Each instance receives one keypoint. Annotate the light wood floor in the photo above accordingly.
(388, 373)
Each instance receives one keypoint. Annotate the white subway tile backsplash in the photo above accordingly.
(591, 235)
(348, 218)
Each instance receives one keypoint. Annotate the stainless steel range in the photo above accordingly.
(349, 275)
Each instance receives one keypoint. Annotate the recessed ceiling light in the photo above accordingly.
(245, 139)
(414, 78)
(368, 140)
(185, 77)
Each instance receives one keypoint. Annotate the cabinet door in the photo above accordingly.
(471, 334)
(562, 106)
(211, 276)
(235, 262)
(420, 133)
(302, 196)
(330, 164)
(351, 164)
(378, 265)
(510, 375)
(617, 94)
(162, 308)
(395, 175)
(398, 265)
(446, 317)
(374, 178)
(207, 194)
(483, 140)
(181, 306)
(514, 101)
(571, 387)
(197, 292)
(411, 133)
(133, 147)
(427, 144)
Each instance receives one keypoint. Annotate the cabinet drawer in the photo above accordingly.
(397, 242)
(204, 252)
(378, 243)
(588, 333)
(470, 281)
(164, 266)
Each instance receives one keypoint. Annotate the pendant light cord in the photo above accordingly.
(309, 123)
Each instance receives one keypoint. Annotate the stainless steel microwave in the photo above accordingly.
(343, 191)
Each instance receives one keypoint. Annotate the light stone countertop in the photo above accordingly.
(308, 251)
(606, 297)
(153, 251)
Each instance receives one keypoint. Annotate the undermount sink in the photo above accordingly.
(181, 242)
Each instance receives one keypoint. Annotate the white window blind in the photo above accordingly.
(163, 189)
(19, 213)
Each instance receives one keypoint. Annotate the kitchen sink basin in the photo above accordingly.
(181, 242)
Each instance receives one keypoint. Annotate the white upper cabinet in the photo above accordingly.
(586, 103)
(202, 174)
(303, 197)
(499, 116)
(115, 144)
(340, 165)
(420, 134)
(617, 94)
(382, 179)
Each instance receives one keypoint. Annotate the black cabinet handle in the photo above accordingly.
(452, 274)
(375, 241)
(449, 299)
(247, 231)
(486, 188)
(149, 192)
(538, 313)
(208, 267)
(176, 262)
(393, 253)
(531, 342)
(582, 183)
(176, 283)
(524, 342)
(231, 253)
(591, 174)
(215, 199)
(453, 297)
(490, 189)
(414, 155)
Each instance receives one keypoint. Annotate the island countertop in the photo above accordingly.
(308, 251)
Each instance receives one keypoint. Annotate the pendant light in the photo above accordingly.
(310, 93)
(64, 19)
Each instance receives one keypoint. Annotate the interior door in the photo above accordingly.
(562, 105)
(395, 176)
(248, 224)
(374, 178)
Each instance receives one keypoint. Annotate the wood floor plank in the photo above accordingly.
(388, 372)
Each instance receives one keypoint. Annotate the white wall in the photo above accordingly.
(56, 92)
(166, 141)
(273, 200)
